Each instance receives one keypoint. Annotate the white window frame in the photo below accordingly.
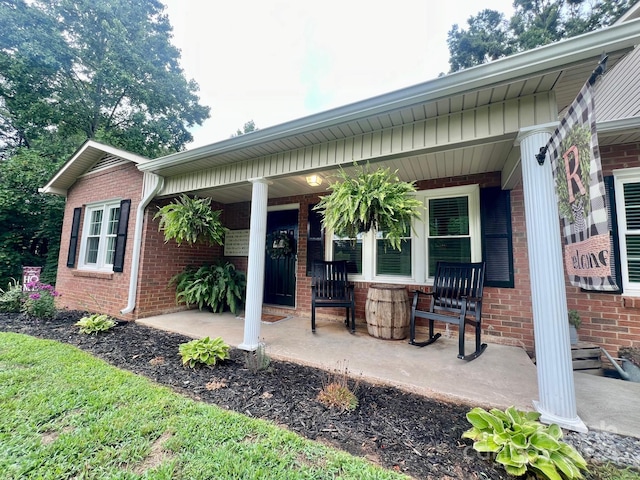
(621, 177)
(472, 192)
(100, 264)
(392, 278)
(419, 237)
(365, 248)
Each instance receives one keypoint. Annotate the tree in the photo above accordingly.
(72, 70)
(97, 68)
(490, 36)
(30, 233)
(486, 39)
(248, 127)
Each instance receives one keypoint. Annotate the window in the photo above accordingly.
(449, 229)
(452, 226)
(99, 235)
(315, 238)
(449, 238)
(349, 249)
(627, 202)
(390, 261)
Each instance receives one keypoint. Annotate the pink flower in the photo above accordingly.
(34, 296)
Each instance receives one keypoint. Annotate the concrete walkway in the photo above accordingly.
(501, 377)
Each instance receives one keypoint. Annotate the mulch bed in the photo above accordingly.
(408, 433)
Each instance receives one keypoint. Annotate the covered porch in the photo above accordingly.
(502, 376)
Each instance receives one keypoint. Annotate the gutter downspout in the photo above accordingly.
(137, 242)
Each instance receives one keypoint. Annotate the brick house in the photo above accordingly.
(467, 139)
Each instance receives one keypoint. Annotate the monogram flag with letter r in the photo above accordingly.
(577, 172)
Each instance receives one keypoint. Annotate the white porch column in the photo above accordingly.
(255, 269)
(557, 403)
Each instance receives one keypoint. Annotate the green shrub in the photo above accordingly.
(191, 220)
(11, 298)
(204, 351)
(219, 286)
(520, 443)
(95, 323)
(40, 301)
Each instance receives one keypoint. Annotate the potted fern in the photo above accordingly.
(191, 220)
(218, 287)
(370, 200)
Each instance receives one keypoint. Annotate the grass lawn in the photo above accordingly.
(66, 414)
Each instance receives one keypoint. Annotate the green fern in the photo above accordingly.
(370, 200)
(191, 220)
(219, 286)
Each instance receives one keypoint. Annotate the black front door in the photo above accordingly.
(280, 261)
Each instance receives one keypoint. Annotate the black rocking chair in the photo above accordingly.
(330, 287)
(456, 297)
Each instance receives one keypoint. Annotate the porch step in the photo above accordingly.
(586, 356)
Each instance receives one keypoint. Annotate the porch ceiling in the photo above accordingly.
(470, 160)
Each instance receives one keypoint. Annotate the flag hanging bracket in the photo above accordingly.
(541, 155)
(599, 70)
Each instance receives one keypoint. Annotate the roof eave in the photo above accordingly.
(532, 62)
(53, 185)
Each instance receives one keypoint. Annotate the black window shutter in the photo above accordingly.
(315, 238)
(497, 240)
(612, 223)
(121, 239)
(73, 242)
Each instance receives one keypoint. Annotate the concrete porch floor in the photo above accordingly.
(501, 377)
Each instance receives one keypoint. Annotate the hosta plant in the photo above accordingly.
(522, 444)
(204, 351)
(191, 220)
(95, 323)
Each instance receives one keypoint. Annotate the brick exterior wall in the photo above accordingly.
(160, 261)
(92, 291)
(608, 320)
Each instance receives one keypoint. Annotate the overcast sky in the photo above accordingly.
(272, 61)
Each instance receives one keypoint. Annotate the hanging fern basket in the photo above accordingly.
(370, 200)
(191, 220)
